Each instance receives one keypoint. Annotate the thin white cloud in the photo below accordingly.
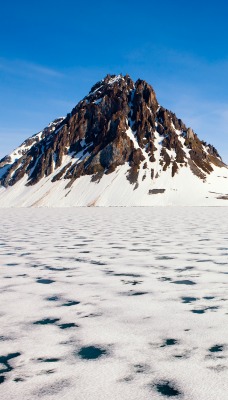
(28, 69)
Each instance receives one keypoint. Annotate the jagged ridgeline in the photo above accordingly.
(120, 121)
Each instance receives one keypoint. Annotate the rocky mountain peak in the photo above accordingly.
(119, 122)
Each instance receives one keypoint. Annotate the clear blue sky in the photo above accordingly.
(52, 52)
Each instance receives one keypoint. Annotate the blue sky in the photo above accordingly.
(52, 52)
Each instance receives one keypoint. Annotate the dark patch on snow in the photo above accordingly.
(47, 372)
(202, 311)
(57, 269)
(167, 388)
(133, 283)
(132, 293)
(156, 191)
(97, 262)
(48, 360)
(213, 308)
(184, 269)
(81, 260)
(180, 356)
(46, 321)
(91, 352)
(169, 342)
(184, 282)
(4, 360)
(140, 250)
(216, 348)
(70, 303)
(12, 264)
(45, 281)
(92, 315)
(189, 299)
(141, 368)
(4, 338)
(127, 275)
(18, 380)
(68, 325)
(53, 298)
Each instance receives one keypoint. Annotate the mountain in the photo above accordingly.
(117, 147)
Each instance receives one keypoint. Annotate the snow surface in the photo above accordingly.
(146, 285)
(115, 79)
(111, 81)
(184, 189)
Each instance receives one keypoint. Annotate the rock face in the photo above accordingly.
(119, 122)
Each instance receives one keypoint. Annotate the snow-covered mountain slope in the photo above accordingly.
(117, 147)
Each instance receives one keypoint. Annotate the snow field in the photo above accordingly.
(147, 287)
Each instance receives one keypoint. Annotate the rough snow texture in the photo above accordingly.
(117, 147)
(143, 290)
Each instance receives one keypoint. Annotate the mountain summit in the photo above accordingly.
(118, 146)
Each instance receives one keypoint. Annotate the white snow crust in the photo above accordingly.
(184, 189)
(129, 272)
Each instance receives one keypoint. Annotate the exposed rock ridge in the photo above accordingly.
(120, 121)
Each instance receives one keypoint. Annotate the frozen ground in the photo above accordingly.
(114, 304)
